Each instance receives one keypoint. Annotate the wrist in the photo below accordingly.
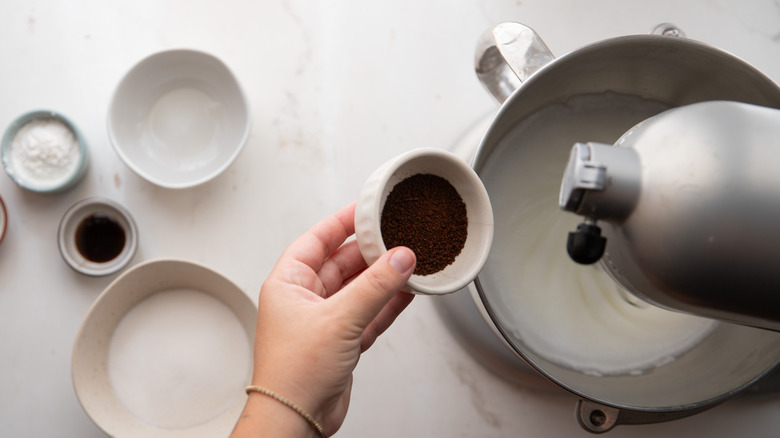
(266, 416)
(288, 384)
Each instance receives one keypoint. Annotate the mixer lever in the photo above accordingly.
(586, 245)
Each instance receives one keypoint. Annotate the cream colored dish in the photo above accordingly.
(166, 323)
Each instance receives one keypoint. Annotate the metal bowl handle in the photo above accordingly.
(509, 53)
(506, 56)
(668, 29)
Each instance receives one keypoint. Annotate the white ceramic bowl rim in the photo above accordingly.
(160, 177)
(3, 220)
(43, 114)
(480, 215)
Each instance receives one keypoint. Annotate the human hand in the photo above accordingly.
(319, 309)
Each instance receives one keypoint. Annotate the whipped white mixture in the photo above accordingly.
(44, 153)
(179, 358)
(573, 315)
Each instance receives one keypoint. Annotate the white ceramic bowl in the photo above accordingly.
(126, 348)
(84, 209)
(371, 202)
(48, 181)
(178, 118)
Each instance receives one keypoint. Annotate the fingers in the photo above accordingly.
(340, 266)
(314, 246)
(385, 318)
(365, 297)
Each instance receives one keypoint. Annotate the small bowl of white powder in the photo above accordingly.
(42, 151)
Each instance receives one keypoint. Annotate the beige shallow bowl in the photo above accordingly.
(95, 381)
(371, 201)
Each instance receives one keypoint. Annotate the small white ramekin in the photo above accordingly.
(371, 202)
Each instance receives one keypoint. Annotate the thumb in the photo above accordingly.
(364, 297)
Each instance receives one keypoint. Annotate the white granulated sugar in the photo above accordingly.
(179, 358)
(44, 153)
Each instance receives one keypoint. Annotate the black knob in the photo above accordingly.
(586, 245)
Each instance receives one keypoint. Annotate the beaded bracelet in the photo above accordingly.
(314, 424)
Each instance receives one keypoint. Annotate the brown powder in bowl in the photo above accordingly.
(425, 213)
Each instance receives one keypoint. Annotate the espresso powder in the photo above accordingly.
(425, 213)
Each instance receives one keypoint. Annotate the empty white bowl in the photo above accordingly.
(371, 202)
(178, 118)
(106, 212)
(165, 351)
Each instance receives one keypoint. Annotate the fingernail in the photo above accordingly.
(402, 260)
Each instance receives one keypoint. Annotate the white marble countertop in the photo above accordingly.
(336, 89)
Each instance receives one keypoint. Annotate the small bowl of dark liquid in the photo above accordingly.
(97, 237)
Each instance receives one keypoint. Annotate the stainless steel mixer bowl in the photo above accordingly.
(671, 71)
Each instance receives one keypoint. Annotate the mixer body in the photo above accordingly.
(689, 203)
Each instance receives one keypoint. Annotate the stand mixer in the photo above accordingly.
(699, 219)
(689, 207)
